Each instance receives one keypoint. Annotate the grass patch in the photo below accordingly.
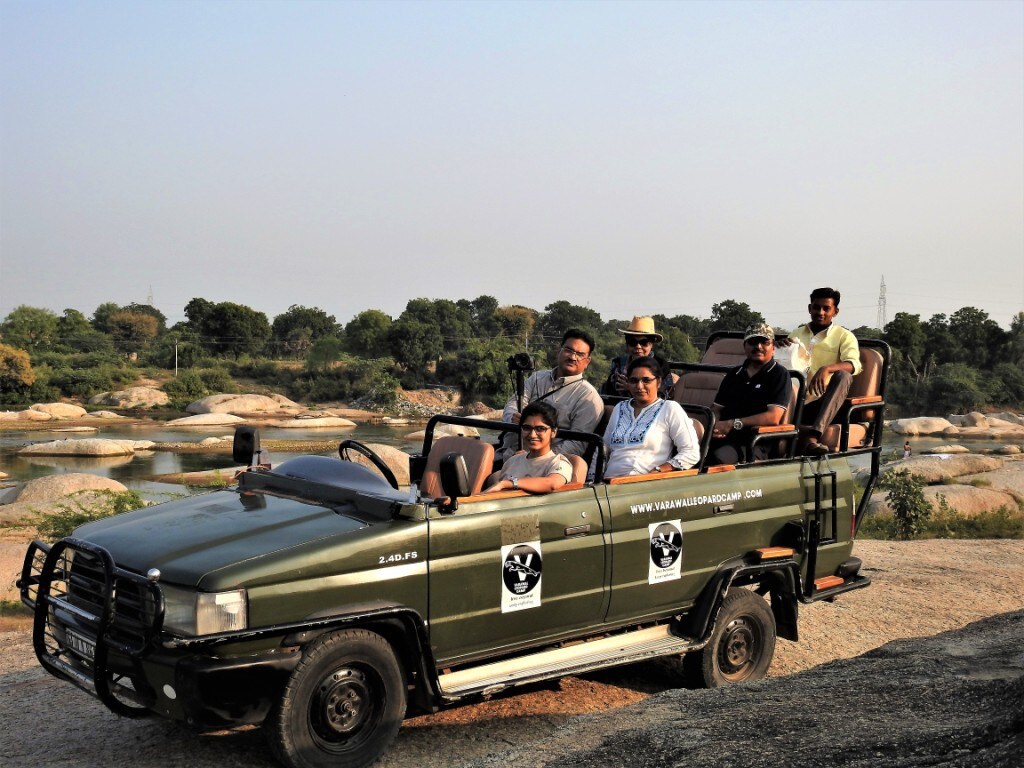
(945, 523)
(14, 608)
(88, 506)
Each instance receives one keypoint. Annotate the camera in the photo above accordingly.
(521, 361)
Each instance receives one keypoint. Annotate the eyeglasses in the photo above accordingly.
(759, 342)
(526, 429)
(576, 353)
(641, 380)
(638, 341)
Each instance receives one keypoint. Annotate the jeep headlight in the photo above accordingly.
(203, 613)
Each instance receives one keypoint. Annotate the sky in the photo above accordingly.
(632, 157)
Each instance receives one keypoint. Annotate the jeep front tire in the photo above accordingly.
(343, 704)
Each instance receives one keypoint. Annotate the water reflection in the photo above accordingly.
(78, 463)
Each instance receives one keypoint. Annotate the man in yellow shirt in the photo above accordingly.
(835, 360)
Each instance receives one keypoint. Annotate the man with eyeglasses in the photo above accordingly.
(640, 338)
(755, 394)
(578, 403)
(835, 360)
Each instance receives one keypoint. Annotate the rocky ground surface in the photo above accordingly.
(937, 700)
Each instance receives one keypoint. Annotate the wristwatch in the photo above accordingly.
(515, 483)
(737, 424)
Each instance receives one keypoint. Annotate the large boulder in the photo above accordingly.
(133, 397)
(206, 420)
(60, 410)
(441, 430)
(90, 446)
(54, 487)
(397, 460)
(28, 415)
(227, 403)
(1009, 477)
(936, 469)
(922, 425)
(965, 500)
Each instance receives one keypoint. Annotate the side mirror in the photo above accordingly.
(454, 476)
(246, 446)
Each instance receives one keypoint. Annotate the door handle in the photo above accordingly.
(577, 530)
(724, 508)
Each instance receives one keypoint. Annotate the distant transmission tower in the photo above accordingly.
(881, 320)
(149, 296)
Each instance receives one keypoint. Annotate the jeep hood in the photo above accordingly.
(189, 538)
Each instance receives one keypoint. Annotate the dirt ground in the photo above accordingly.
(919, 589)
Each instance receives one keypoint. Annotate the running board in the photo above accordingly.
(568, 660)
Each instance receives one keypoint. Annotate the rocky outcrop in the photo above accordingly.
(60, 410)
(921, 425)
(245, 404)
(441, 430)
(965, 500)
(397, 460)
(133, 397)
(28, 415)
(54, 487)
(90, 446)
(206, 420)
(936, 469)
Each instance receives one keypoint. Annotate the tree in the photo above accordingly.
(1014, 349)
(102, 314)
(906, 336)
(955, 388)
(299, 327)
(149, 309)
(977, 335)
(323, 354)
(563, 315)
(132, 331)
(732, 315)
(16, 374)
(234, 329)
(198, 312)
(480, 370)
(481, 311)
(30, 328)
(366, 334)
(516, 323)
(76, 334)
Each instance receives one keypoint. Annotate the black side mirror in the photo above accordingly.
(454, 475)
(246, 446)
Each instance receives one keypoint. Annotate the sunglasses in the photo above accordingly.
(526, 429)
(638, 341)
(634, 380)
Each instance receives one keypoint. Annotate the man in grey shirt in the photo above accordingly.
(579, 406)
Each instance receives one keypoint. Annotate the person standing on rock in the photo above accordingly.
(835, 360)
(579, 406)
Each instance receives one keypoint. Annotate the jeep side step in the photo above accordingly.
(575, 659)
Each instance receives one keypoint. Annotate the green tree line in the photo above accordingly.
(955, 363)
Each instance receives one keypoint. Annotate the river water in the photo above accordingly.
(137, 472)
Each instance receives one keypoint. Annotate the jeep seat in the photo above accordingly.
(856, 424)
(479, 456)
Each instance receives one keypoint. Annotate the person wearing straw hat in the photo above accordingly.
(640, 338)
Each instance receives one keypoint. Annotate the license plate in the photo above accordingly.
(79, 645)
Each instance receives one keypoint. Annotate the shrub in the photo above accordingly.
(906, 498)
(79, 510)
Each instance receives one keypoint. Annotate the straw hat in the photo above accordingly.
(642, 325)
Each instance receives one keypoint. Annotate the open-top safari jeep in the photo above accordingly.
(326, 603)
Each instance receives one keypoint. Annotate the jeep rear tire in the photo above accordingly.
(342, 705)
(741, 646)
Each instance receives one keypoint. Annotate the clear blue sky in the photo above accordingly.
(634, 157)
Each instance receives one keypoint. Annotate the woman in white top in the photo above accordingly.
(647, 434)
(538, 469)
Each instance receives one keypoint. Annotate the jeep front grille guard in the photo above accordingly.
(86, 610)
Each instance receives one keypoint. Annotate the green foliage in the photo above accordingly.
(29, 328)
(195, 384)
(228, 328)
(480, 370)
(946, 523)
(324, 353)
(84, 507)
(132, 331)
(955, 388)
(367, 333)
(297, 329)
(906, 498)
(732, 315)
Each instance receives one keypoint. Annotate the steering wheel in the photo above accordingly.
(376, 460)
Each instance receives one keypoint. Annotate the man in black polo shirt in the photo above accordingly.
(753, 395)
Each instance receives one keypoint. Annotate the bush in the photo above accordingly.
(68, 516)
(906, 498)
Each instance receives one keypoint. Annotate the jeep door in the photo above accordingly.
(510, 569)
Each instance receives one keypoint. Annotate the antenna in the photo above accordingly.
(881, 320)
(149, 296)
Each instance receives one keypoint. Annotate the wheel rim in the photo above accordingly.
(346, 708)
(739, 649)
